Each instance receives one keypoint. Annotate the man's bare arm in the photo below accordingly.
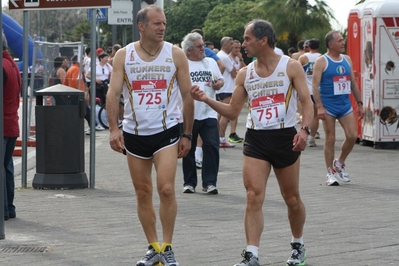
(231, 110)
(296, 74)
(115, 89)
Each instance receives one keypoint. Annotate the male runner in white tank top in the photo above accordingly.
(307, 61)
(151, 72)
(271, 85)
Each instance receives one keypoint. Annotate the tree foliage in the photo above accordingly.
(294, 20)
(219, 24)
(184, 17)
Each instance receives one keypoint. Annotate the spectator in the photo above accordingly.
(11, 90)
(205, 73)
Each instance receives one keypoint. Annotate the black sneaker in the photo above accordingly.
(249, 259)
(234, 138)
(298, 255)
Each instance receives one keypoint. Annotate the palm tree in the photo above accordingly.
(292, 18)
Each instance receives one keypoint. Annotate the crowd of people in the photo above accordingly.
(179, 102)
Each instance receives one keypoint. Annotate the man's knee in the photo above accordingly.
(254, 200)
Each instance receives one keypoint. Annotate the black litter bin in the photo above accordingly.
(60, 138)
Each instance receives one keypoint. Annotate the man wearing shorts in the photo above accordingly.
(307, 61)
(270, 85)
(333, 81)
(151, 73)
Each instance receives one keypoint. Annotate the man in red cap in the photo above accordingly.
(99, 51)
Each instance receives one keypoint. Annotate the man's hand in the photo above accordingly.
(360, 111)
(184, 147)
(116, 141)
(198, 94)
(321, 113)
(300, 141)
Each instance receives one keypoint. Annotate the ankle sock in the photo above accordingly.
(253, 249)
(297, 240)
(156, 246)
(164, 245)
(198, 153)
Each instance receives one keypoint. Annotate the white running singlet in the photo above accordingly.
(272, 100)
(150, 93)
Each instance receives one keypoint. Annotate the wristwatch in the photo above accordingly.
(189, 136)
(307, 129)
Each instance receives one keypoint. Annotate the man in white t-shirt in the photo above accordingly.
(205, 73)
(224, 94)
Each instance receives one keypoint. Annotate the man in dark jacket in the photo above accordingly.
(11, 92)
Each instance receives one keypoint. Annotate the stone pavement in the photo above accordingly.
(352, 224)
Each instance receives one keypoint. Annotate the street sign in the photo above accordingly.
(56, 4)
(120, 12)
(101, 14)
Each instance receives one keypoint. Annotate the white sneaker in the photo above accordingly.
(99, 128)
(342, 175)
(198, 164)
(331, 180)
(188, 189)
(211, 189)
(312, 143)
(225, 144)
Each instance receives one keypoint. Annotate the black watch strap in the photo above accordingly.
(189, 136)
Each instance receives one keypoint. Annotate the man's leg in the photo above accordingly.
(9, 182)
(165, 162)
(329, 130)
(255, 175)
(140, 172)
(348, 123)
(288, 179)
(210, 137)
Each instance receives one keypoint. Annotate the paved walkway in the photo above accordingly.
(354, 224)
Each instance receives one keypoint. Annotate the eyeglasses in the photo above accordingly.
(103, 71)
(306, 46)
(200, 46)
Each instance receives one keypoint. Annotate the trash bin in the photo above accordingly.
(60, 112)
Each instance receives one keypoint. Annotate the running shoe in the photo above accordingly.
(317, 136)
(312, 143)
(298, 255)
(99, 128)
(188, 189)
(151, 258)
(331, 180)
(342, 175)
(87, 132)
(226, 144)
(168, 257)
(249, 259)
(234, 138)
(211, 189)
(198, 164)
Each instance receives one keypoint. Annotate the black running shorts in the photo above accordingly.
(146, 146)
(274, 146)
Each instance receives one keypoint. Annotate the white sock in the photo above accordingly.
(198, 153)
(253, 249)
(222, 139)
(311, 138)
(297, 240)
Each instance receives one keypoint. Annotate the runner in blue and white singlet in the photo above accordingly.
(151, 93)
(335, 87)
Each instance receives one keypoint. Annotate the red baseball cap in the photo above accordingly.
(99, 51)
